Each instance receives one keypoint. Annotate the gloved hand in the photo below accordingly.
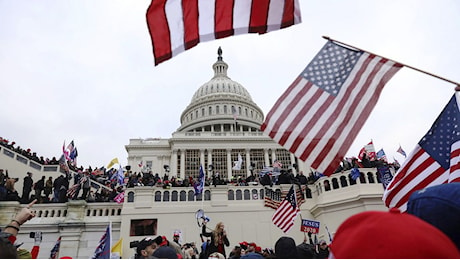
(37, 238)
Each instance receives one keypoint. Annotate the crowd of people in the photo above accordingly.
(214, 244)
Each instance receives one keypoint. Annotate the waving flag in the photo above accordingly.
(55, 250)
(177, 25)
(112, 162)
(369, 150)
(103, 248)
(435, 159)
(234, 113)
(199, 185)
(120, 198)
(238, 164)
(117, 249)
(287, 212)
(401, 151)
(381, 155)
(319, 116)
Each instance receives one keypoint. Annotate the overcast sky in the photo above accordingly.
(83, 70)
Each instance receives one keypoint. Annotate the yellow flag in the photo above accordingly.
(117, 248)
(112, 162)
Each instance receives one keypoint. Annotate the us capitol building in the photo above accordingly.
(220, 124)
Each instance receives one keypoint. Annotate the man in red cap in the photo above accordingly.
(251, 252)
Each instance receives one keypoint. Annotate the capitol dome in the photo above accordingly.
(220, 104)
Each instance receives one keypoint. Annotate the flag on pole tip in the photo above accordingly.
(103, 248)
(434, 160)
(112, 162)
(381, 155)
(176, 26)
(234, 113)
(320, 114)
(401, 151)
(199, 185)
(55, 250)
(237, 164)
(369, 151)
(117, 249)
(287, 212)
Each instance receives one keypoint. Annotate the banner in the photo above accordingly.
(310, 226)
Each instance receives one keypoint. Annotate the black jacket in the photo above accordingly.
(211, 248)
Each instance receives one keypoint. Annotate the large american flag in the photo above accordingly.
(318, 117)
(179, 25)
(287, 212)
(435, 159)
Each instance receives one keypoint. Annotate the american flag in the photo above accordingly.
(234, 113)
(287, 212)
(176, 25)
(273, 198)
(369, 150)
(319, 116)
(55, 250)
(277, 164)
(435, 159)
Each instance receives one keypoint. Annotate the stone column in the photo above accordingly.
(202, 159)
(229, 164)
(267, 161)
(248, 162)
(209, 162)
(173, 164)
(182, 162)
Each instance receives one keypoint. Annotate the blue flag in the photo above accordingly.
(199, 186)
(355, 174)
(103, 249)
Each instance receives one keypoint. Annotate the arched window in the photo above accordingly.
(231, 195)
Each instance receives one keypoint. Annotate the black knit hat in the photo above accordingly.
(285, 248)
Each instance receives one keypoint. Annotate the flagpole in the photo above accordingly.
(457, 88)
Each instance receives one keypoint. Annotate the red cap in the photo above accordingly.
(379, 234)
(252, 244)
(258, 249)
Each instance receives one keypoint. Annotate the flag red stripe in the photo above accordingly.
(159, 31)
(403, 178)
(191, 30)
(288, 13)
(425, 183)
(223, 18)
(259, 16)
